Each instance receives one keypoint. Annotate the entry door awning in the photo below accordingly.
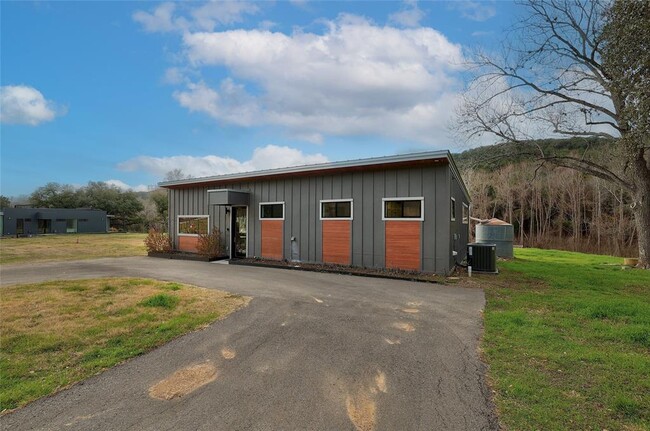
(228, 197)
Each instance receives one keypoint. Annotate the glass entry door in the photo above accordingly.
(239, 231)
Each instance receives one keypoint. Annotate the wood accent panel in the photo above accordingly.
(336, 241)
(272, 242)
(188, 243)
(403, 245)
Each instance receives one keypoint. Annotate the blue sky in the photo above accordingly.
(124, 92)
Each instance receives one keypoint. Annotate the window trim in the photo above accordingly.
(383, 209)
(322, 201)
(453, 209)
(271, 203)
(178, 223)
(465, 219)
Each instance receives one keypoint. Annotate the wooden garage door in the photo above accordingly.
(336, 241)
(272, 231)
(403, 244)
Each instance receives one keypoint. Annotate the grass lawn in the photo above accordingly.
(57, 333)
(71, 247)
(567, 337)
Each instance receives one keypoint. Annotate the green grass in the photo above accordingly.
(70, 247)
(567, 338)
(56, 333)
(161, 300)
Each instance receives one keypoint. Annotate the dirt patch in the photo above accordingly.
(380, 382)
(361, 402)
(228, 353)
(403, 326)
(184, 381)
(362, 411)
(411, 310)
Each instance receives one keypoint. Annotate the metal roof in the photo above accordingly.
(315, 167)
(358, 163)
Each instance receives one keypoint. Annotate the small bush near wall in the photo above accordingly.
(210, 244)
(157, 242)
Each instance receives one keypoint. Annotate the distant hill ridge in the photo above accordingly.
(496, 156)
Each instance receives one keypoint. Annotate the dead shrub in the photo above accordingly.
(210, 244)
(158, 242)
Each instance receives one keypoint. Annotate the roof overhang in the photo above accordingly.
(228, 197)
(388, 162)
(427, 158)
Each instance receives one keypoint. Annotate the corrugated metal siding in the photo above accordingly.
(367, 188)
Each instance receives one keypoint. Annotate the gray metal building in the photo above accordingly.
(407, 211)
(38, 221)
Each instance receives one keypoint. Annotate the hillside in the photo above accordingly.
(496, 156)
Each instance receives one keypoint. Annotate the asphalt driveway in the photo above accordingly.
(311, 352)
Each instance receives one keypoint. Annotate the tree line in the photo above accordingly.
(551, 206)
(556, 207)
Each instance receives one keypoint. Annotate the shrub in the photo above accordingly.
(157, 242)
(210, 244)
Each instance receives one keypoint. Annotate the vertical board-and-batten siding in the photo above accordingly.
(459, 236)
(302, 196)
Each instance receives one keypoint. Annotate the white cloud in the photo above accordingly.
(268, 157)
(214, 13)
(21, 104)
(161, 19)
(124, 186)
(266, 24)
(475, 10)
(231, 104)
(482, 33)
(164, 17)
(355, 79)
(409, 16)
(173, 75)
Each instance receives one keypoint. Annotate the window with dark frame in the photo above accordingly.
(338, 209)
(403, 209)
(272, 211)
(465, 213)
(71, 225)
(453, 209)
(192, 225)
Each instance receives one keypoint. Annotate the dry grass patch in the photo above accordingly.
(71, 247)
(57, 333)
(184, 381)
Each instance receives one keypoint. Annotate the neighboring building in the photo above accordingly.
(408, 211)
(38, 221)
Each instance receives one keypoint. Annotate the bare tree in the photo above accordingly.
(573, 68)
(176, 174)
